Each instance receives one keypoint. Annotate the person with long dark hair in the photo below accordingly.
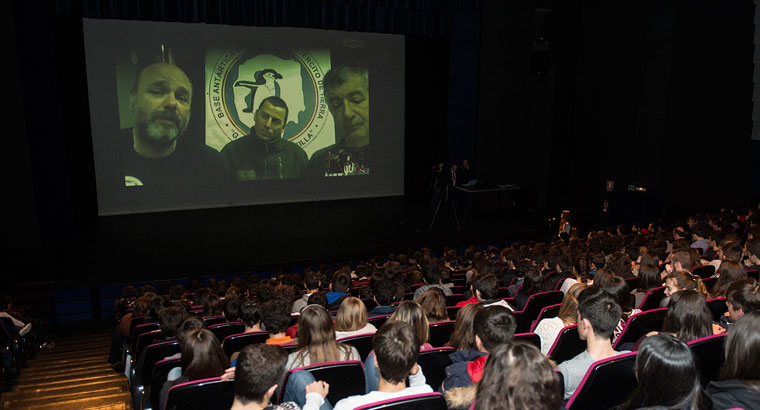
(516, 377)
(668, 377)
(739, 382)
(533, 282)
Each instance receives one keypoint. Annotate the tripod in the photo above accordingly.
(443, 200)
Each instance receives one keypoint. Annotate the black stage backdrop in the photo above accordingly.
(559, 96)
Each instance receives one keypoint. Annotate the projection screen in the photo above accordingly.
(188, 116)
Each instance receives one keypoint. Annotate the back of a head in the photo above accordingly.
(202, 356)
(396, 350)
(463, 335)
(275, 315)
(341, 281)
(249, 313)
(744, 295)
(742, 351)
(682, 257)
(385, 292)
(688, 316)
(432, 273)
(411, 313)
(753, 247)
(602, 277)
(618, 288)
(568, 311)
(728, 273)
(433, 303)
(649, 278)
(533, 282)
(170, 318)
(732, 252)
(668, 376)
(315, 327)
(311, 281)
(601, 310)
(487, 285)
(351, 316)
(494, 325)
(517, 376)
(259, 367)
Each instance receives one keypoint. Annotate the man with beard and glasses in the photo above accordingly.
(160, 154)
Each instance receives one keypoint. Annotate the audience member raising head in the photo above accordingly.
(316, 340)
(668, 377)
(518, 377)
(351, 319)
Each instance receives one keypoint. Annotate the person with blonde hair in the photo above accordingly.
(351, 319)
(548, 329)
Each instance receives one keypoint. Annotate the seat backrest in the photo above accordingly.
(710, 353)
(139, 330)
(704, 271)
(653, 298)
(457, 289)
(633, 282)
(753, 274)
(145, 340)
(546, 312)
(362, 343)
(531, 338)
(204, 394)
(337, 375)
(434, 362)
(452, 311)
(640, 324)
(440, 332)
(235, 343)
(378, 321)
(426, 401)
(541, 300)
(709, 283)
(567, 345)
(453, 299)
(160, 373)
(153, 354)
(607, 383)
(717, 307)
(214, 320)
(222, 330)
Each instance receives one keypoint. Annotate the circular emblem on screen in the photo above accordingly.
(239, 80)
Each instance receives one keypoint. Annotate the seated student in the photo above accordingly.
(396, 351)
(341, 282)
(494, 325)
(316, 340)
(517, 376)
(533, 282)
(462, 338)
(728, 273)
(183, 330)
(312, 284)
(649, 278)
(433, 303)
(682, 280)
(742, 297)
(548, 329)
(739, 382)
(432, 277)
(351, 319)
(668, 377)
(619, 289)
(250, 316)
(259, 371)
(688, 318)
(202, 358)
(275, 315)
(598, 314)
(485, 292)
(408, 312)
(385, 292)
(232, 308)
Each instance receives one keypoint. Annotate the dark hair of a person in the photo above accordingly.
(487, 285)
(602, 277)
(169, 320)
(316, 338)
(598, 260)
(732, 252)
(341, 281)
(649, 278)
(249, 313)
(202, 356)
(190, 323)
(688, 316)
(744, 295)
(201, 297)
(433, 303)
(649, 258)
(318, 298)
(411, 313)
(753, 246)
(432, 273)
(311, 281)
(728, 273)
(620, 264)
(129, 292)
(601, 309)
(275, 315)
(176, 292)
(156, 304)
(742, 352)
(142, 305)
(668, 377)
(213, 306)
(232, 309)
(618, 288)
(463, 335)
(518, 377)
(396, 350)
(494, 325)
(385, 292)
(259, 367)
(533, 282)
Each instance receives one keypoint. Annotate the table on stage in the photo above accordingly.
(484, 190)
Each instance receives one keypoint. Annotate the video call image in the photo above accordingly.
(209, 115)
